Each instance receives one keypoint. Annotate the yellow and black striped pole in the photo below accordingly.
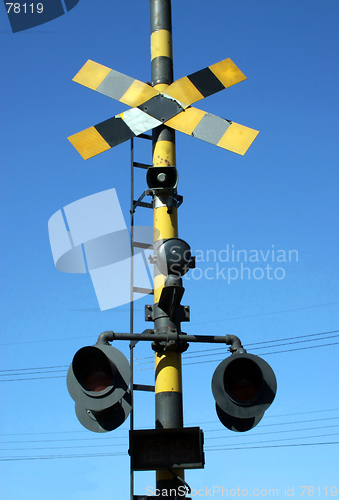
(168, 377)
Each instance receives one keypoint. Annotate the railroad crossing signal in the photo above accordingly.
(151, 108)
(244, 386)
(97, 381)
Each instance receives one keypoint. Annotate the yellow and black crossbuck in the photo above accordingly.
(151, 108)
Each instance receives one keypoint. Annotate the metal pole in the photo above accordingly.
(168, 373)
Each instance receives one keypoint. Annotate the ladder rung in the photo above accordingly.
(141, 387)
(141, 165)
(142, 245)
(146, 291)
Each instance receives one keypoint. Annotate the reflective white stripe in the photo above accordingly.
(138, 121)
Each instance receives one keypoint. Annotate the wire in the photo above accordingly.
(276, 446)
(274, 440)
(53, 457)
(278, 340)
(190, 423)
(274, 432)
(194, 355)
(219, 349)
(265, 314)
(290, 423)
(124, 443)
(264, 354)
(40, 368)
(193, 324)
(98, 455)
(66, 447)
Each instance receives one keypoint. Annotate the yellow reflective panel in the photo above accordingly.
(89, 143)
(168, 372)
(91, 74)
(159, 282)
(187, 120)
(164, 154)
(161, 44)
(183, 90)
(238, 138)
(227, 72)
(164, 223)
(138, 93)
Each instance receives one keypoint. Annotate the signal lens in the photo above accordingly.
(243, 380)
(93, 370)
(97, 381)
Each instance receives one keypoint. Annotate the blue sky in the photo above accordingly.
(281, 196)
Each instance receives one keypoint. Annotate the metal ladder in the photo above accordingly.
(133, 289)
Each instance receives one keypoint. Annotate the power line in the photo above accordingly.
(230, 446)
(276, 446)
(98, 455)
(277, 416)
(265, 314)
(190, 423)
(124, 439)
(124, 443)
(40, 368)
(193, 324)
(274, 432)
(264, 354)
(278, 340)
(66, 447)
(55, 457)
(61, 368)
(219, 350)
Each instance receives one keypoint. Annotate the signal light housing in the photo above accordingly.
(244, 386)
(173, 256)
(97, 381)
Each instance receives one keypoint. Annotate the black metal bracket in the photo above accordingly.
(140, 203)
(183, 313)
(150, 335)
(142, 387)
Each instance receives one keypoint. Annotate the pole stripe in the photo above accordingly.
(161, 44)
(165, 226)
(163, 154)
(168, 372)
